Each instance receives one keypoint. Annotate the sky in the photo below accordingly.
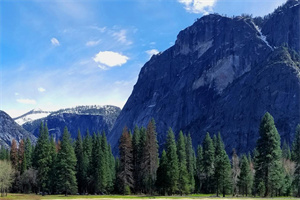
(63, 53)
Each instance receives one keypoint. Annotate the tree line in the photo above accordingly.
(86, 165)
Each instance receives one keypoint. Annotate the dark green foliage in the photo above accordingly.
(172, 160)
(208, 164)
(28, 153)
(52, 172)
(245, 178)
(162, 179)
(222, 174)
(183, 182)
(286, 151)
(137, 151)
(81, 167)
(66, 166)
(296, 159)
(268, 166)
(87, 160)
(191, 162)
(199, 168)
(42, 158)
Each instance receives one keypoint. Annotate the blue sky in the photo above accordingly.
(63, 53)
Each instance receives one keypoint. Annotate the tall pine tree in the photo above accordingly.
(208, 164)
(183, 179)
(268, 164)
(66, 165)
(191, 162)
(245, 177)
(296, 159)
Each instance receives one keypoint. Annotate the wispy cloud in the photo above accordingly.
(40, 89)
(122, 37)
(107, 59)
(152, 52)
(92, 43)
(26, 101)
(101, 29)
(55, 42)
(198, 6)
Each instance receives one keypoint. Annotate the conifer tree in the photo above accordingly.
(104, 164)
(66, 166)
(126, 162)
(52, 171)
(245, 177)
(191, 162)
(222, 174)
(87, 151)
(162, 181)
(296, 159)
(268, 166)
(136, 157)
(172, 160)
(28, 153)
(42, 158)
(150, 157)
(208, 164)
(14, 155)
(21, 157)
(183, 182)
(112, 170)
(199, 168)
(80, 168)
(95, 165)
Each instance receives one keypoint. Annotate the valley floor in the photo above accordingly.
(120, 197)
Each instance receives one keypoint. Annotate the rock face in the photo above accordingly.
(94, 118)
(10, 130)
(222, 75)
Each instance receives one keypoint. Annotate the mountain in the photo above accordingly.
(10, 130)
(31, 116)
(222, 75)
(94, 118)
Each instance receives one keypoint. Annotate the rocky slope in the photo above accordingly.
(94, 118)
(10, 130)
(222, 75)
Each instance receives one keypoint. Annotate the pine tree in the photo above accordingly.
(52, 171)
(172, 160)
(245, 177)
(28, 153)
(112, 170)
(95, 164)
(199, 168)
(268, 164)
(87, 152)
(191, 162)
(208, 164)
(42, 158)
(104, 165)
(162, 181)
(222, 174)
(296, 159)
(126, 162)
(136, 157)
(183, 182)
(150, 157)
(14, 155)
(80, 171)
(66, 165)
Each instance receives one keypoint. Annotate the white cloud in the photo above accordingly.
(121, 37)
(26, 101)
(107, 59)
(198, 6)
(152, 52)
(101, 29)
(92, 43)
(40, 89)
(55, 42)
